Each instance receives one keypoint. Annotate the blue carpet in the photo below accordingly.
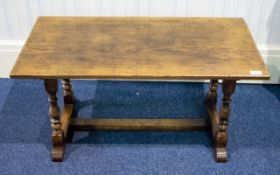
(25, 142)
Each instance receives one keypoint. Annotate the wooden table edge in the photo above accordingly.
(139, 77)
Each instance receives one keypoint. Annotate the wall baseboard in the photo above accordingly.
(10, 49)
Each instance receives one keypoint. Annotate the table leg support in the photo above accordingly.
(54, 112)
(221, 134)
(219, 120)
(69, 105)
(60, 125)
(68, 96)
(212, 94)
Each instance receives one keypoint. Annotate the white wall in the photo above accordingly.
(18, 16)
(262, 16)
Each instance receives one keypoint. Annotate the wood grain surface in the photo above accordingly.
(140, 48)
(80, 124)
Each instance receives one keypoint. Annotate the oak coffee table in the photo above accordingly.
(146, 48)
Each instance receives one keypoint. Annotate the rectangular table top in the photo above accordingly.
(140, 48)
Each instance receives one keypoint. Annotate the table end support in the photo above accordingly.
(219, 120)
(69, 107)
(221, 135)
(54, 112)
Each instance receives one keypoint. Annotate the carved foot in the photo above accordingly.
(58, 148)
(221, 154)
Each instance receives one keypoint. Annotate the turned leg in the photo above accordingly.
(211, 98)
(67, 92)
(54, 112)
(68, 99)
(221, 133)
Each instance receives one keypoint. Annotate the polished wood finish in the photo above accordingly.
(79, 124)
(68, 96)
(54, 112)
(228, 87)
(140, 48)
(212, 93)
(69, 106)
(66, 117)
(219, 120)
(59, 124)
